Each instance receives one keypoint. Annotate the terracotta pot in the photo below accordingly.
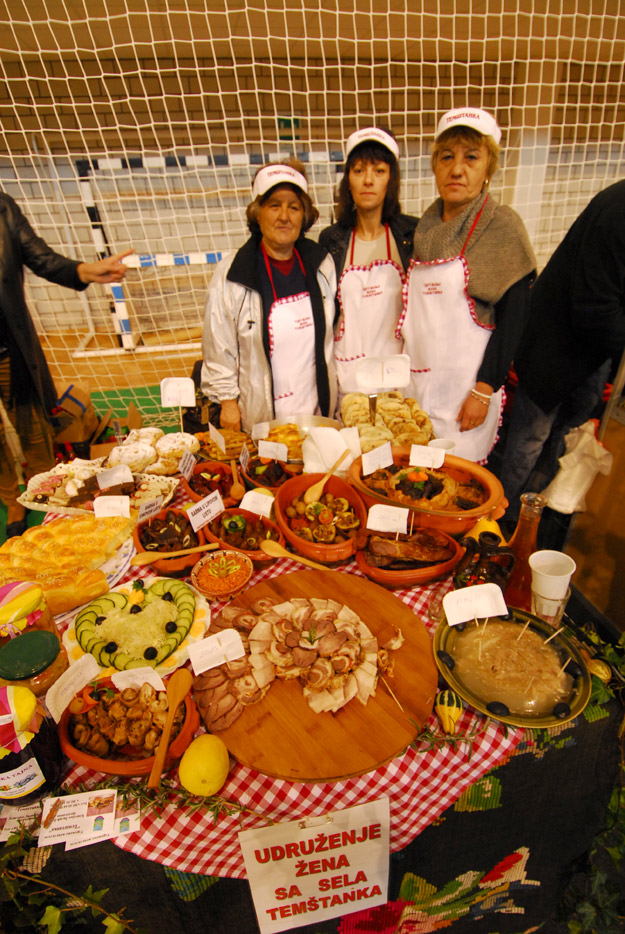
(317, 551)
(256, 556)
(170, 567)
(211, 467)
(404, 579)
(455, 522)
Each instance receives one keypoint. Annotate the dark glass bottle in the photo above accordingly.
(35, 770)
(518, 592)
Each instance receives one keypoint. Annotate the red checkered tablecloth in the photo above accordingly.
(419, 784)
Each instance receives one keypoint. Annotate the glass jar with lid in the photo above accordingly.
(31, 760)
(23, 607)
(33, 660)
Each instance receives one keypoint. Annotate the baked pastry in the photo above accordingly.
(64, 556)
(149, 435)
(401, 421)
(134, 454)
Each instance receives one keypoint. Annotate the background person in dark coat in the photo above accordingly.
(26, 387)
(576, 328)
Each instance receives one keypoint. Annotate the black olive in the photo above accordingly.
(99, 620)
(498, 709)
(150, 653)
(461, 627)
(446, 659)
(573, 669)
(171, 626)
(136, 608)
(110, 647)
(167, 597)
(561, 710)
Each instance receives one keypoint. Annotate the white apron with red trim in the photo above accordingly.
(370, 302)
(292, 350)
(446, 344)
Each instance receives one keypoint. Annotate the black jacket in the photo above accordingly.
(20, 246)
(577, 304)
(335, 240)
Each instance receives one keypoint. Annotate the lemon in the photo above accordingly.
(204, 766)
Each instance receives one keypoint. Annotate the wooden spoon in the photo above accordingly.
(178, 687)
(313, 492)
(237, 490)
(149, 557)
(276, 550)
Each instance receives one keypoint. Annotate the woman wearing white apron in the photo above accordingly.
(467, 289)
(371, 245)
(268, 327)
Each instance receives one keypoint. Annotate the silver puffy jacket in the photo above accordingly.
(235, 365)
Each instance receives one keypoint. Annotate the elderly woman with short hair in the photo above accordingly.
(268, 338)
(467, 290)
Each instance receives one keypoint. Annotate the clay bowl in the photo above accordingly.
(170, 567)
(253, 480)
(332, 553)
(221, 589)
(410, 577)
(455, 522)
(222, 484)
(131, 766)
(256, 556)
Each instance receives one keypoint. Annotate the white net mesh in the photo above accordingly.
(141, 123)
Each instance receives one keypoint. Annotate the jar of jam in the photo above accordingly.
(23, 607)
(31, 761)
(33, 660)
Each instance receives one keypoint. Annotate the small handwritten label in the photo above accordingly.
(177, 390)
(383, 518)
(381, 456)
(200, 514)
(273, 450)
(148, 510)
(111, 506)
(257, 502)
(260, 430)
(423, 456)
(187, 463)
(478, 602)
(114, 476)
(224, 646)
(217, 437)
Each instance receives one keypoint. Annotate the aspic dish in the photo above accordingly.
(516, 669)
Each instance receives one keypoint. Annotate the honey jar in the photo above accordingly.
(31, 760)
(33, 660)
(23, 607)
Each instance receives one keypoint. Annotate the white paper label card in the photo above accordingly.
(200, 514)
(423, 456)
(77, 676)
(307, 871)
(187, 463)
(11, 816)
(273, 450)
(224, 646)
(374, 374)
(257, 502)
(477, 602)
(244, 457)
(111, 506)
(135, 677)
(383, 518)
(150, 509)
(177, 390)
(381, 456)
(114, 476)
(88, 815)
(260, 430)
(216, 436)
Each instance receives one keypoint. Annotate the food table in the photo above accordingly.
(482, 838)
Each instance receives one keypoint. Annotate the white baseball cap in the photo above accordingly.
(271, 175)
(474, 117)
(374, 134)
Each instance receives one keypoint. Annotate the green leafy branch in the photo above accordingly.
(428, 739)
(28, 894)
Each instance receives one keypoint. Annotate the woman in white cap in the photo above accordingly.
(467, 288)
(371, 244)
(267, 341)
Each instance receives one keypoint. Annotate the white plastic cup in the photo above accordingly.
(551, 573)
(447, 444)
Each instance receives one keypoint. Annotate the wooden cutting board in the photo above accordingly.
(281, 736)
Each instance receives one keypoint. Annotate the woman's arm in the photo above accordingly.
(220, 346)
